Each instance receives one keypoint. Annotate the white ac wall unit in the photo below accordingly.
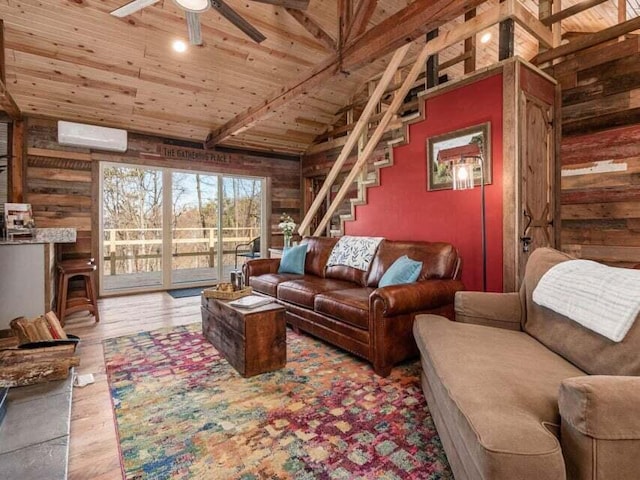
(91, 136)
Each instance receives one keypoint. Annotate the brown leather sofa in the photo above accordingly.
(537, 396)
(343, 305)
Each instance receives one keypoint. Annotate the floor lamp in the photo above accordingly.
(463, 178)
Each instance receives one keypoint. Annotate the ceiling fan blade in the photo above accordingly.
(230, 14)
(295, 4)
(132, 7)
(193, 27)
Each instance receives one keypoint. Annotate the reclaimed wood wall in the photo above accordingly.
(600, 152)
(61, 182)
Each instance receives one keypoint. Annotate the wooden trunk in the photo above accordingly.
(253, 341)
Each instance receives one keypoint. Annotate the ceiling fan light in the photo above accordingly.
(196, 6)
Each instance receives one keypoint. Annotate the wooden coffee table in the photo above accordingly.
(252, 340)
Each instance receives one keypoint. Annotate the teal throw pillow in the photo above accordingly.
(403, 270)
(292, 260)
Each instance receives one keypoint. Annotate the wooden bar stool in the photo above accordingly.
(76, 300)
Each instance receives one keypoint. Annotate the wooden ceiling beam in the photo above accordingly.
(313, 28)
(364, 12)
(7, 103)
(403, 27)
(345, 13)
(295, 4)
(3, 69)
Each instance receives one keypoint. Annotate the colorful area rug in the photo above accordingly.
(183, 412)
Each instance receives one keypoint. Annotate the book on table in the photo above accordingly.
(251, 301)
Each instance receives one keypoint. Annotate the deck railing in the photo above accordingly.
(206, 238)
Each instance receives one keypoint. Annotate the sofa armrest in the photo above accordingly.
(415, 297)
(600, 427)
(602, 407)
(253, 268)
(501, 310)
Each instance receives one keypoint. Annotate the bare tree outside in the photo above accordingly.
(132, 221)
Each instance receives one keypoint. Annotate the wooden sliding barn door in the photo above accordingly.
(537, 178)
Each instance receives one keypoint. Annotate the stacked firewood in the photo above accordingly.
(41, 329)
(51, 361)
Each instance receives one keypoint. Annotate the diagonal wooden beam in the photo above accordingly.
(361, 17)
(403, 27)
(455, 35)
(570, 11)
(313, 28)
(588, 41)
(358, 129)
(531, 24)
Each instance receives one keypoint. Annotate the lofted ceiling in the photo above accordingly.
(72, 60)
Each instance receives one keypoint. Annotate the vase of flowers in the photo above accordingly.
(287, 225)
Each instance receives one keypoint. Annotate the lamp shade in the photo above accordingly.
(196, 6)
(462, 176)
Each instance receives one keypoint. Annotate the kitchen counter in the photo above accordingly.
(27, 273)
(43, 235)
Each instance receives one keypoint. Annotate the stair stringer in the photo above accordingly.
(373, 178)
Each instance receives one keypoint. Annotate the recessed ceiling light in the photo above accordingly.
(485, 37)
(179, 46)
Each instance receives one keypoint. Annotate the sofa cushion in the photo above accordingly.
(584, 348)
(318, 251)
(439, 260)
(268, 282)
(403, 270)
(293, 259)
(351, 306)
(302, 292)
(499, 390)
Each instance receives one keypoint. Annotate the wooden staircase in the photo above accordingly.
(383, 122)
(370, 174)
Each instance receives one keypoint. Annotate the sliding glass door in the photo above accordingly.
(165, 228)
(241, 219)
(132, 228)
(194, 228)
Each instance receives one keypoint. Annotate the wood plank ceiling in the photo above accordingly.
(70, 59)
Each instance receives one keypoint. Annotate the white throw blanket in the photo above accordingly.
(356, 252)
(601, 298)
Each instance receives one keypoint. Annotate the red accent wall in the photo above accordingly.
(401, 208)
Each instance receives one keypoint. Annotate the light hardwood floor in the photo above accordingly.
(94, 447)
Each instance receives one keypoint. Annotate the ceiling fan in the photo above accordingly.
(193, 9)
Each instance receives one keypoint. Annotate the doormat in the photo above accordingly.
(186, 292)
(182, 412)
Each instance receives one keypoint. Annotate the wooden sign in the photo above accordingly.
(173, 152)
